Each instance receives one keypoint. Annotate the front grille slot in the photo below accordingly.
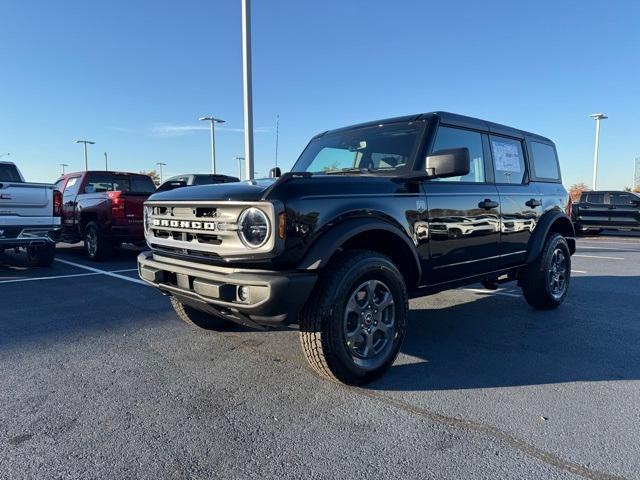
(206, 212)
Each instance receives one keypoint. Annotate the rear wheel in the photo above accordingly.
(42, 256)
(353, 325)
(198, 318)
(545, 282)
(96, 244)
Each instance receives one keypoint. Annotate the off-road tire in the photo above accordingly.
(103, 246)
(198, 318)
(321, 321)
(41, 256)
(535, 277)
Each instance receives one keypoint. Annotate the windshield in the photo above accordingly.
(378, 148)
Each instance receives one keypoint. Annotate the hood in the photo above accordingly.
(247, 191)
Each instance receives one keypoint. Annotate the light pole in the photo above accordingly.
(597, 117)
(160, 164)
(106, 163)
(239, 159)
(86, 163)
(246, 88)
(63, 165)
(213, 121)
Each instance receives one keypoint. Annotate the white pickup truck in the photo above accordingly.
(29, 216)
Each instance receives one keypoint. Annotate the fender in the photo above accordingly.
(552, 221)
(323, 249)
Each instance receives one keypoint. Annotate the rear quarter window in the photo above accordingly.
(545, 162)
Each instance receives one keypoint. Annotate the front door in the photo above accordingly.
(463, 213)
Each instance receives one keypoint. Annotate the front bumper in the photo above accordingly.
(274, 298)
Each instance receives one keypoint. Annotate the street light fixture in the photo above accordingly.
(597, 117)
(63, 165)
(85, 142)
(213, 121)
(160, 164)
(247, 88)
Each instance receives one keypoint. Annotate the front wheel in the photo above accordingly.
(353, 325)
(545, 282)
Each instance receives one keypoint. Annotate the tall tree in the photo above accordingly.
(576, 190)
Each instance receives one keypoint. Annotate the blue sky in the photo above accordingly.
(134, 76)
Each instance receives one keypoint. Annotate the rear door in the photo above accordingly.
(520, 199)
(69, 200)
(593, 211)
(624, 210)
(463, 211)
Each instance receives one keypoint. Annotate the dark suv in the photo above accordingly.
(370, 216)
(611, 210)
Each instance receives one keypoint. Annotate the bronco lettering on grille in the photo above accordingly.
(187, 224)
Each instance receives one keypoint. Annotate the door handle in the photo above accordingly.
(488, 204)
(533, 203)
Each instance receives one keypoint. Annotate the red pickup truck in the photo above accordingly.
(105, 209)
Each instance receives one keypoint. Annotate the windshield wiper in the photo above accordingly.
(348, 170)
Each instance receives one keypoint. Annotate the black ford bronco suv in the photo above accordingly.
(370, 216)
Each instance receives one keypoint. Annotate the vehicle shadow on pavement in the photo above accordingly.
(501, 342)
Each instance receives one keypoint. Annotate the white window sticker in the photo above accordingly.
(506, 156)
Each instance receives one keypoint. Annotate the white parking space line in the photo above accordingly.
(607, 242)
(582, 245)
(53, 277)
(72, 275)
(103, 272)
(577, 271)
(491, 292)
(596, 256)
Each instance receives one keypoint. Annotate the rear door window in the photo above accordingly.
(508, 160)
(545, 162)
(623, 199)
(71, 188)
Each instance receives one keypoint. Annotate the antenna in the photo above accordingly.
(277, 132)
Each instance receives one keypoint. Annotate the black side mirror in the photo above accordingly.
(275, 172)
(451, 162)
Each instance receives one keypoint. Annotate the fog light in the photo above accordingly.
(243, 293)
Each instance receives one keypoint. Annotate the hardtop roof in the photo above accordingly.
(447, 118)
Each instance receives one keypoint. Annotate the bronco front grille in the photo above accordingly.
(200, 227)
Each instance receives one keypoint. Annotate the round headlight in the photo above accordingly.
(147, 218)
(254, 227)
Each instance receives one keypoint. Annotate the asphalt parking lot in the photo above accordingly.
(99, 379)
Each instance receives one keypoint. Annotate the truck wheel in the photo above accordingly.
(198, 318)
(41, 256)
(352, 326)
(545, 282)
(96, 245)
